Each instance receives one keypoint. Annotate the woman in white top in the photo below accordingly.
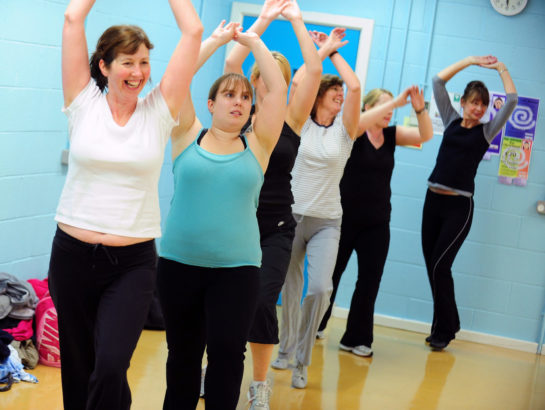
(103, 261)
(326, 142)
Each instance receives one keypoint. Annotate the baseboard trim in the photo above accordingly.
(467, 335)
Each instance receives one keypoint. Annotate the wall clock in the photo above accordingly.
(509, 7)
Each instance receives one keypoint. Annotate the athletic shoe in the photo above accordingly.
(299, 376)
(203, 374)
(281, 362)
(360, 350)
(259, 395)
(320, 334)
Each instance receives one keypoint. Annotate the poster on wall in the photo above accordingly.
(516, 150)
(515, 160)
(496, 102)
(522, 123)
(438, 128)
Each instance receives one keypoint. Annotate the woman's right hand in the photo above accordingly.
(291, 11)
(246, 38)
(402, 99)
(332, 42)
(483, 61)
(273, 8)
(225, 34)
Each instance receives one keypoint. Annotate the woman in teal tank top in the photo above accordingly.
(210, 252)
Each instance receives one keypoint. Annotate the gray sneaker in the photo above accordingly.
(299, 376)
(281, 362)
(259, 395)
(360, 350)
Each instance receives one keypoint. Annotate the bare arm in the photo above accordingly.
(424, 132)
(270, 116)
(181, 67)
(351, 109)
(221, 36)
(75, 61)
(270, 11)
(372, 114)
(303, 94)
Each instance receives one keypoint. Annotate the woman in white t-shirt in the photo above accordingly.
(326, 142)
(103, 261)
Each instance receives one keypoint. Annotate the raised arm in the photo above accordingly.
(501, 117)
(351, 110)
(181, 67)
(270, 116)
(189, 125)
(271, 10)
(75, 60)
(447, 73)
(219, 37)
(371, 115)
(424, 132)
(303, 93)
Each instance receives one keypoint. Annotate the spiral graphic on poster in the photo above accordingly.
(522, 118)
(514, 158)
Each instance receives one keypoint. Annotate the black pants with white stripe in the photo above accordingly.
(446, 222)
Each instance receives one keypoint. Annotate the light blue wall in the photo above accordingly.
(500, 271)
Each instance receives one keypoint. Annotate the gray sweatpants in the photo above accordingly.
(319, 239)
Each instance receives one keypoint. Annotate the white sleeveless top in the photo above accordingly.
(113, 171)
(319, 167)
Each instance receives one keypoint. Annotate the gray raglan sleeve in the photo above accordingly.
(442, 99)
(492, 128)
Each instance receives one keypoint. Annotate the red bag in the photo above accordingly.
(47, 332)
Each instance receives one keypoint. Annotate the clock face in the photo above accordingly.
(509, 7)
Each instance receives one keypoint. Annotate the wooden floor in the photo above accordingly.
(403, 374)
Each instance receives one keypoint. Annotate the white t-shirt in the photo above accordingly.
(319, 167)
(113, 171)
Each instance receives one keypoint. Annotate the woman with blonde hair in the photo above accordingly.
(365, 198)
(276, 223)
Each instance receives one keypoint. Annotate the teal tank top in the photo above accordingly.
(212, 219)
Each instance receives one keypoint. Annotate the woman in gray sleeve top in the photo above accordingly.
(448, 208)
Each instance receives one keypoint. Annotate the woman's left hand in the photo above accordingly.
(417, 98)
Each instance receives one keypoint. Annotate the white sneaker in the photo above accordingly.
(203, 374)
(320, 334)
(360, 350)
(280, 363)
(299, 376)
(259, 395)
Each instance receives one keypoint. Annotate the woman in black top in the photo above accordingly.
(365, 198)
(276, 223)
(448, 209)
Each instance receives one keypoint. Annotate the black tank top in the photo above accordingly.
(365, 185)
(276, 197)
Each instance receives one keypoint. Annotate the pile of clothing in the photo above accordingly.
(18, 302)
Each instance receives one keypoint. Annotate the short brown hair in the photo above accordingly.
(327, 81)
(231, 80)
(478, 89)
(124, 39)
